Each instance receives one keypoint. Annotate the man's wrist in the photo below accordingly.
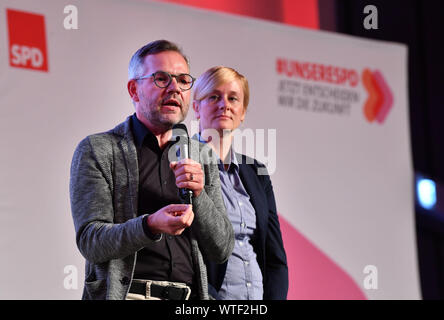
(147, 230)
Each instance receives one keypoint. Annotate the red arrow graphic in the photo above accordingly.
(380, 98)
(387, 101)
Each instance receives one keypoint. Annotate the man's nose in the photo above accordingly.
(174, 86)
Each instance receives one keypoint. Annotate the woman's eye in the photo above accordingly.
(213, 98)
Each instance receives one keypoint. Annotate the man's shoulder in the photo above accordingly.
(103, 137)
(202, 152)
(106, 140)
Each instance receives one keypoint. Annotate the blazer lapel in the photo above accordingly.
(258, 198)
(128, 148)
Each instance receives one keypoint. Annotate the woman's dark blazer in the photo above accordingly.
(267, 241)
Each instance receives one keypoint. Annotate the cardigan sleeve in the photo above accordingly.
(98, 237)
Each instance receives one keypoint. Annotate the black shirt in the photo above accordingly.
(170, 258)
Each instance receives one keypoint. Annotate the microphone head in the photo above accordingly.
(181, 140)
(179, 130)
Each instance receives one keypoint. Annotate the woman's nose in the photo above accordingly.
(224, 103)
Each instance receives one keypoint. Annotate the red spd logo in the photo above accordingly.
(27, 40)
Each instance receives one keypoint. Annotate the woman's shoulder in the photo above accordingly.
(253, 162)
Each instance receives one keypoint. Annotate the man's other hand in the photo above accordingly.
(172, 219)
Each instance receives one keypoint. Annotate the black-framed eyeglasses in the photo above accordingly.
(162, 79)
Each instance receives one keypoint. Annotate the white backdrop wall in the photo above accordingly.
(341, 181)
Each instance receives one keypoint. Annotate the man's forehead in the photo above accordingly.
(167, 60)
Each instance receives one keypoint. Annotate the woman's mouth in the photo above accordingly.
(223, 117)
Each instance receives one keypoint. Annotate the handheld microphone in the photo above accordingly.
(180, 136)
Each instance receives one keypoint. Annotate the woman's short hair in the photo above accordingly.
(217, 76)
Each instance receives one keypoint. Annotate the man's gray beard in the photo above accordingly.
(154, 118)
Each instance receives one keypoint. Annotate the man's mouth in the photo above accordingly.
(171, 102)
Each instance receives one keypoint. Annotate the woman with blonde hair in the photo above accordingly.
(257, 268)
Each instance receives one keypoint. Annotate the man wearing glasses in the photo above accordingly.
(138, 239)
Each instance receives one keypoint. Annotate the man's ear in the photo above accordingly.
(132, 90)
(196, 108)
